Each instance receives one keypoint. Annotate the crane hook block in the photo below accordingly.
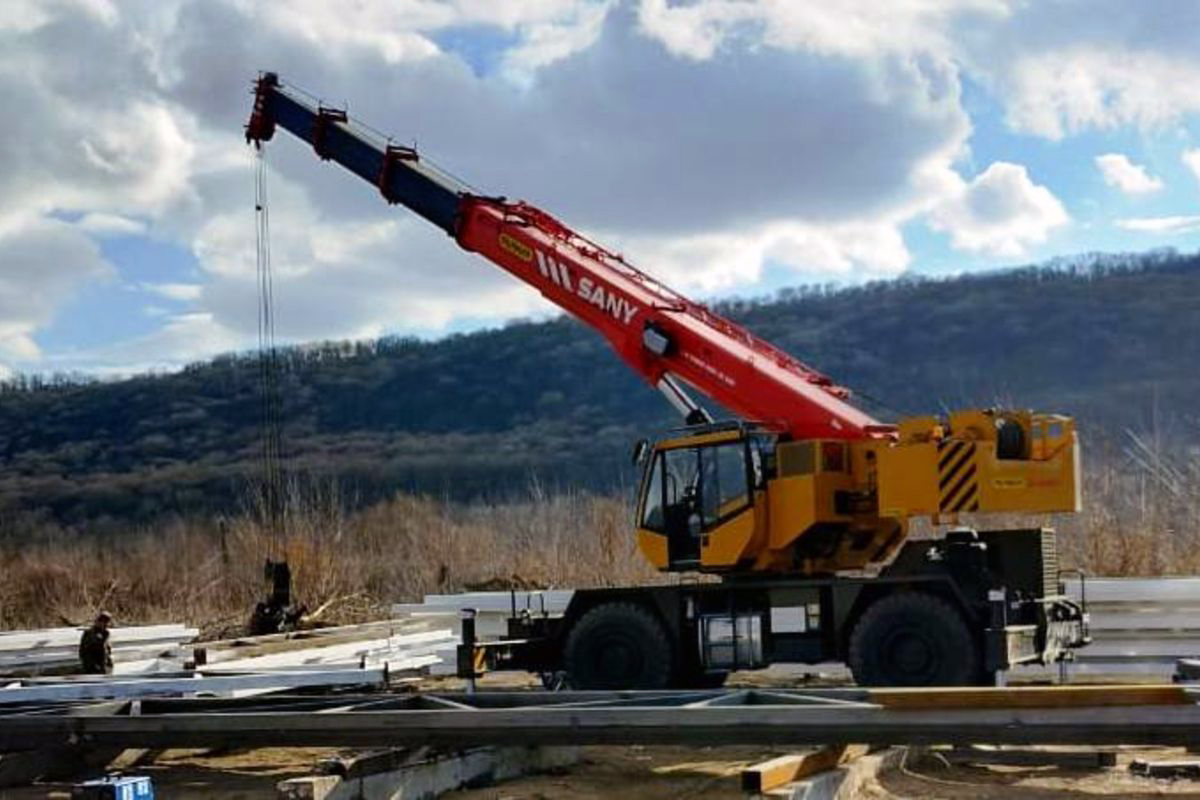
(261, 126)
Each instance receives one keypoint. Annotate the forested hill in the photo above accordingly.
(1113, 340)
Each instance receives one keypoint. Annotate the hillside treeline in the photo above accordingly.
(1113, 340)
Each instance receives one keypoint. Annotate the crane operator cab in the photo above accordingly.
(699, 491)
(734, 496)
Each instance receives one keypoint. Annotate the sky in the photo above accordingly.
(729, 147)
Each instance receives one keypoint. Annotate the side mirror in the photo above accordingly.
(640, 450)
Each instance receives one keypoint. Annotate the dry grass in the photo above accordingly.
(1141, 511)
(1141, 517)
(349, 565)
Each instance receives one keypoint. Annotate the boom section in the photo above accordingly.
(657, 332)
(397, 171)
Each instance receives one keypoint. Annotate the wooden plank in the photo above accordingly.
(790, 768)
(352, 642)
(19, 660)
(1134, 620)
(151, 687)
(1147, 648)
(365, 630)
(1189, 768)
(969, 697)
(400, 648)
(551, 601)
(1123, 590)
(47, 638)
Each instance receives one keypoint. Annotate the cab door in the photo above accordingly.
(682, 471)
(729, 473)
(669, 519)
(699, 500)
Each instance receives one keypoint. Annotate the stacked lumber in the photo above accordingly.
(111, 687)
(492, 611)
(401, 646)
(1139, 625)
(154, 662)
(51, 650)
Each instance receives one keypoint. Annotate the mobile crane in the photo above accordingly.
(801, 508)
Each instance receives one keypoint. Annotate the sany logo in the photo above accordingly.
(617, 307)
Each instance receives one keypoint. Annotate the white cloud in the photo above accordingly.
(24, 16)
(713, 262)
(349, 28)
(103, 224)
(348, 278)
(547, 41)
(1122, 173)
(182, 339)
(852, 28)
(43, 264)
(180, 292)
(1191, 160)
(708, 140)
(1001, 212)
(1068, 91)
(713, 165)
(1164, 225)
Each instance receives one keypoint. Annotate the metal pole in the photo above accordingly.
(467, 651)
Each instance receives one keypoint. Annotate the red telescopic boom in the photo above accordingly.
(660, 334)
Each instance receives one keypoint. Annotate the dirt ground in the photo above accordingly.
(937, 778)
(201, 774)
(643, 773)
(634, 773)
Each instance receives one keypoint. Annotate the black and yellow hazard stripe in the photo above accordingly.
(480, 660)
(958, 484)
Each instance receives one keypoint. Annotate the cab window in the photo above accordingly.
(682, 482)
(697, 488)
(725, 490)
(652, 508)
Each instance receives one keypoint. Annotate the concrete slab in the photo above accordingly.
(843, 783)
(432, 775)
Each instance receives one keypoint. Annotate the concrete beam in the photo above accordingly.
(430, 775)
(847, 782)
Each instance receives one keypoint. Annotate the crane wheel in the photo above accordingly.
(618, 646)
(913, 639)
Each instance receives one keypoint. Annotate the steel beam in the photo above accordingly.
(89, 689)
(747, 717)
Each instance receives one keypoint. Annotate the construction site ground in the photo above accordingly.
(641, 773)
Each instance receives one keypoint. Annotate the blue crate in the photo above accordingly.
(114, 787)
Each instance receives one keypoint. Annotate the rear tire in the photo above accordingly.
(913, 639)
(618, 646)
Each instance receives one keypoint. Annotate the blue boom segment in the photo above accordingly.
(397, 171)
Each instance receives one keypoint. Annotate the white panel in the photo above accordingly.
(788, 619)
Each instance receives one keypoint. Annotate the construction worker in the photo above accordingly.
(95, 651)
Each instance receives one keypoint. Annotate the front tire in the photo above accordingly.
(618, 646)
(913, 639)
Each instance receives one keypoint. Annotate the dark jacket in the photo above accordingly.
(95, 652)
